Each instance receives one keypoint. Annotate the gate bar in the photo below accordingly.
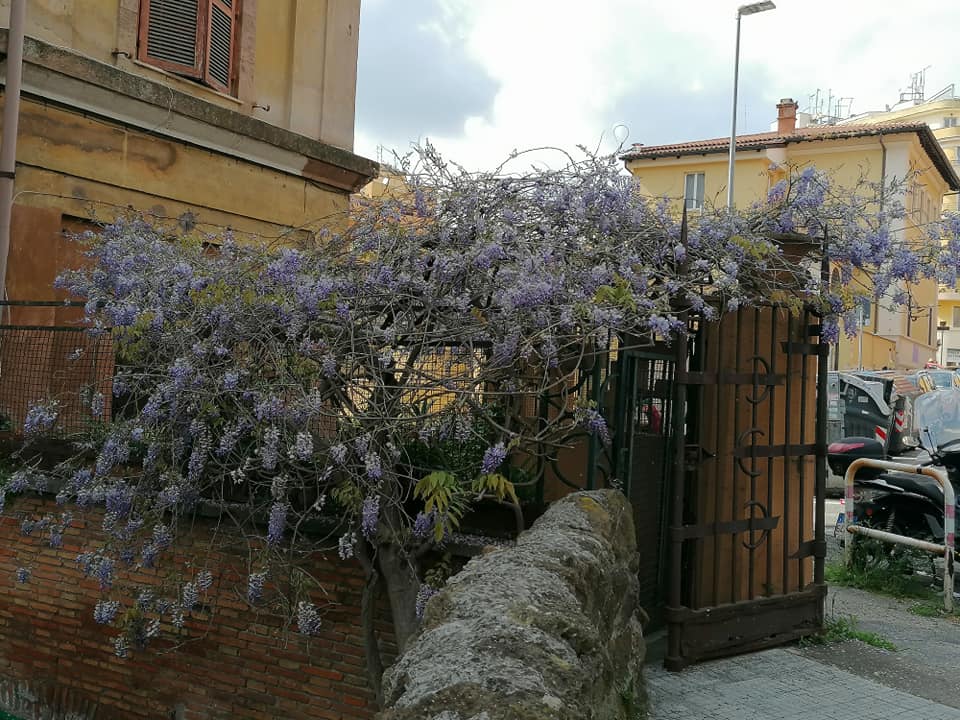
(678, 432)
(949, 519)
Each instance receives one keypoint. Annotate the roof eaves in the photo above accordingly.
(927, 140)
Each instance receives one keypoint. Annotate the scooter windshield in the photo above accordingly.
(938, 418)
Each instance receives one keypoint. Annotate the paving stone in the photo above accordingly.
(782, 684)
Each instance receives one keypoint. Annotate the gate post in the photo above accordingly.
(674, 658)
(820, 436)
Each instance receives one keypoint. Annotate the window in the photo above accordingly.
(693, 191)
(956, 317)
(956, 152)
(866, 311)
(953, 356)
(194, 38)
(950, 121)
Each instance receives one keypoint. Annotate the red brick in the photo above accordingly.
(240, 667)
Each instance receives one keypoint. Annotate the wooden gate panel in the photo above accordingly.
(744, 540)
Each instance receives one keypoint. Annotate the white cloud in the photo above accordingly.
(564, 70)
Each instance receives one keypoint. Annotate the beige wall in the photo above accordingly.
(93, 169)
(933, 114)
(299, 57)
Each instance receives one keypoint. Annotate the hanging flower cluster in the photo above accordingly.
(392, 367)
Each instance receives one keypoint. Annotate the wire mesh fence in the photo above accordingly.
(62, 364)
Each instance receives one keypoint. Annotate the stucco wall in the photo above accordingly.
(297, 57)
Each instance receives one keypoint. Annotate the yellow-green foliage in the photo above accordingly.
(442, 494)
(620, 294)
(496, 484)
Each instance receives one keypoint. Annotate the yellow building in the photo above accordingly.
(942, 114)
(213, 113)
(695, 174)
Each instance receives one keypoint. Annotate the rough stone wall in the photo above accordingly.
(549, 629)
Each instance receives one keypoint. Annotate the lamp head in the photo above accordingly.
(754, 8)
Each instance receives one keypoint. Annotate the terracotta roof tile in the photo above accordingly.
(759, 141)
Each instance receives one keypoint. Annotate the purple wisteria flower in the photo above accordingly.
(302, 448)
(269, 408)
(370, 516)
(204, 580)
(255, 587)
(189, 596)
(104, 572)
(105, 611)
(19, 482)
(308, 618)
(269, 451)
(162, 537)
(181, 373)
(493, 458)
(374, 468)
(97, 405)
(120, 646)
(338, 453)
(423, 595)
(593, 422)
(423, 524)
(278, 522)
(41, 418)
(346, 546)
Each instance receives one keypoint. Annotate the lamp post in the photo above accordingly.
(942, 332)
(751, 9)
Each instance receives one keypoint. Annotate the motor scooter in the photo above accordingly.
(907, 503)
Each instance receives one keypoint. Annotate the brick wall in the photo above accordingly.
(236, 664)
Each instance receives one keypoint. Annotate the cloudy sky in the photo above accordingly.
(481, 77)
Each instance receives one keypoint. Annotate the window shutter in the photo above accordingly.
(170, 35)
(221, 38)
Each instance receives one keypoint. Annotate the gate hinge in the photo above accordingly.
(811, 548)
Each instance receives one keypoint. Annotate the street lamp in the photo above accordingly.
(942, 331)
(751, 9)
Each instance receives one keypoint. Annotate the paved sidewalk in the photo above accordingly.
(781, 684)
(920, 680)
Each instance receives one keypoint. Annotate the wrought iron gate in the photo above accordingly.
(746, 548)
(642, 419)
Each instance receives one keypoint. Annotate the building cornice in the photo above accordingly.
(67, 78)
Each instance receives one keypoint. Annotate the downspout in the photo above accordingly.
(11, 121)
(883, 196)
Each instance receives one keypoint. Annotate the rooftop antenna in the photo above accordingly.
(917, 82)
(844, 107)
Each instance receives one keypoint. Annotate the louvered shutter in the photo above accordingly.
(221, 38)
(170, 35)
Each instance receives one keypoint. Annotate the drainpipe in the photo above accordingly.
(8, 140)
(883, 171)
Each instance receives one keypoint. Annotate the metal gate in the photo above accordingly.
(745, 546)
(641, 420)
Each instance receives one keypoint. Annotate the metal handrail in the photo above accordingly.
(949, 518)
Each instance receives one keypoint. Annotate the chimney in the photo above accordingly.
(786, 116)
